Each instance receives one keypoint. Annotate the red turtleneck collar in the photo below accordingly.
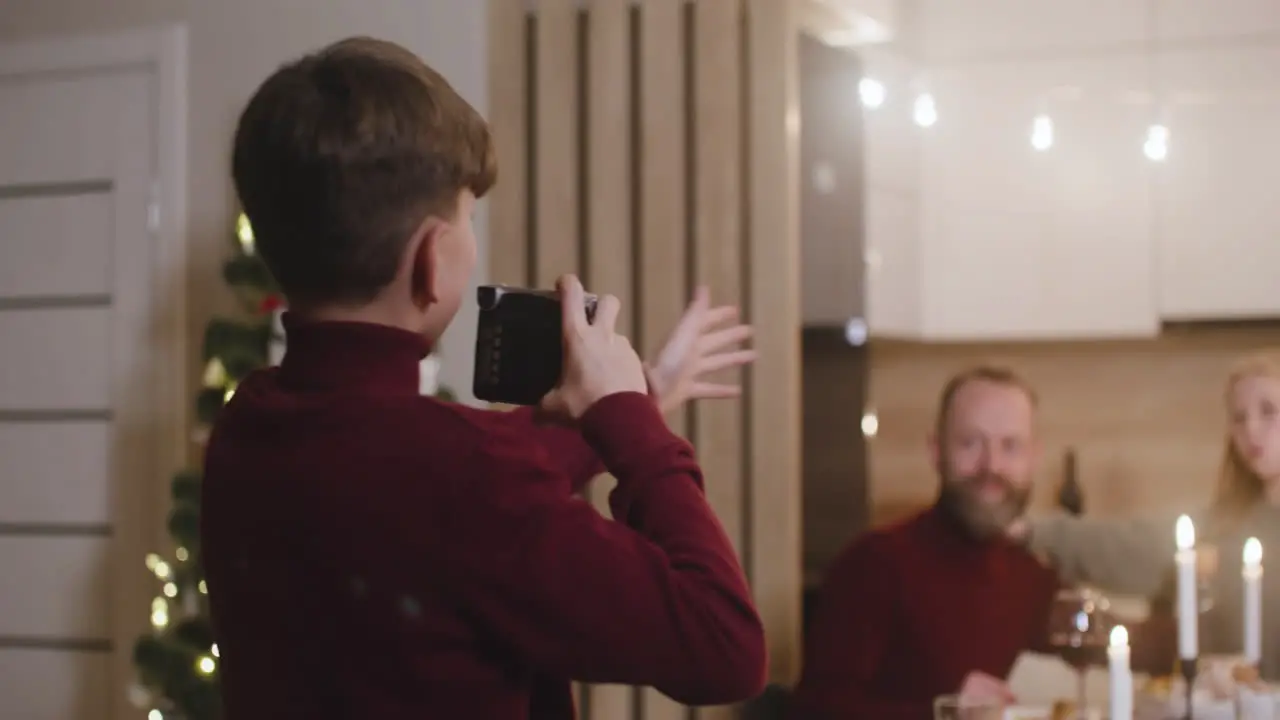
(351, 355)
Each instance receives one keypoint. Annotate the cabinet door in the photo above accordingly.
(892, 209)
(1218, 217)
(1024, 244)
(1097, 272)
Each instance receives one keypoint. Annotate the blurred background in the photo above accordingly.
(892, 189)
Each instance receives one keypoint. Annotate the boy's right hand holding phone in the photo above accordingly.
(598, 362)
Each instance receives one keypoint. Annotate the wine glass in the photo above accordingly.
(1206, 569)
(1080, 625)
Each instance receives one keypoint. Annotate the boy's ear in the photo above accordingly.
(425, 262)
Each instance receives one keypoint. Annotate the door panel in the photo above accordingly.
(77, 312)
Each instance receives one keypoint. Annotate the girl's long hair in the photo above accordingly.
(1239, 487)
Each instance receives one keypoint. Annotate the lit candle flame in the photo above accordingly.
(1185, 533)
(1119, 636)
(1252, 552)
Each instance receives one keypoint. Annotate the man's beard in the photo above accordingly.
(960, 499)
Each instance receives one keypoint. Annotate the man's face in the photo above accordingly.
(985, 456)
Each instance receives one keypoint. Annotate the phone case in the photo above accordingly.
(519, 344)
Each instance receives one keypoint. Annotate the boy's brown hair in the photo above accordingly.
(339, 157)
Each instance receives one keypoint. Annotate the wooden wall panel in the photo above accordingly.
(609, 237)
(509, 122)
(717, 244)
(663, 223)
(554, 250)
(1145, 417)
(643, 150)
(663, 255)
(773, 393)
(555, 152)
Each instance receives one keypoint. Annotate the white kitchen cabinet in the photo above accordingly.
(1217, 209)
(1016, 244)
(891, 217)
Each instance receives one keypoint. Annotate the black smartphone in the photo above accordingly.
(519, 344)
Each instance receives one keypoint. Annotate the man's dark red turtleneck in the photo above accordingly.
(371, 553)
(907, 611)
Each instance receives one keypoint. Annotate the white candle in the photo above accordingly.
(1188, 603)
(1121, 675)
(1252, 601)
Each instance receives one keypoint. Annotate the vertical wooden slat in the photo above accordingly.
(774, 540)
(508, 120)
(663, 280)
(608, 233)
(717, 243)
(555, 246)
(663, 253)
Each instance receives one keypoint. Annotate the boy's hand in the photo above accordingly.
(707, 339)
(598, 362)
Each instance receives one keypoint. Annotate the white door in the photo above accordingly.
(78, 296)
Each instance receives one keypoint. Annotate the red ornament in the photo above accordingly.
(271, 303)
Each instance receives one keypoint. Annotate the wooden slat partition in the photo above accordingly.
(661, 153)
(609, 227)
(555, 156)
(718, 255)
(509, 121)
(773, 299)
(556, 200)
(663, 220)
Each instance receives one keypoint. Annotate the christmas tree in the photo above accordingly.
(177, 662)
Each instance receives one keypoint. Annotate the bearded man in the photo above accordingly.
(941, 603)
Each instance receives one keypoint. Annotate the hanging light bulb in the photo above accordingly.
(871, 92)
(1042, 133)
(925, 111)
(1156, 148)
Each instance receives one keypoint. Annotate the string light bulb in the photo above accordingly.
(215, 374)
(871, 92)
(244, 233)
(1156, 148)
(925, 110)
(1042, 133)
(159, 613)
(205, 665)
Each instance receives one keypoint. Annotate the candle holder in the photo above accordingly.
(1190, 667)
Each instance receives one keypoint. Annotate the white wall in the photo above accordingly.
(234, 44)
(1090, 238)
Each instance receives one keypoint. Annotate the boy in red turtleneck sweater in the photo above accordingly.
(372, 553)
(940, 603)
